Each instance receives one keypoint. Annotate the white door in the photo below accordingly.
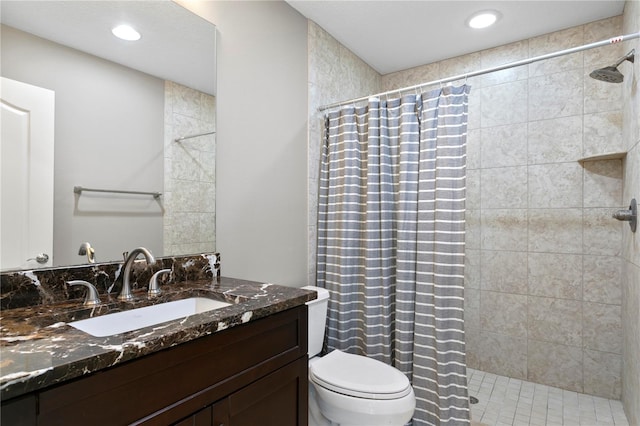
(26, 175)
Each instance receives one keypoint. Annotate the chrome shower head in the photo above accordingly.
(608, 75)
(611, 74)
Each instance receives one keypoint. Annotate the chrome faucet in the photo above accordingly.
(125, 293)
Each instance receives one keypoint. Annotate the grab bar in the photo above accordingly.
(80, 190)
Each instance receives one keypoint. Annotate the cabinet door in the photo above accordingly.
(279, 399)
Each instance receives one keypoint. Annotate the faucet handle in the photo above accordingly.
(91, 299)
(154, 286)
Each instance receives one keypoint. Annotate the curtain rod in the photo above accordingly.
(613, 40)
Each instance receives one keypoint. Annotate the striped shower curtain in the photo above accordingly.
(391, 241)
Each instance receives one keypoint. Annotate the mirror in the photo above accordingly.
(129, 116)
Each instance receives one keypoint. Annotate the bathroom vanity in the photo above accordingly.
(242, 364)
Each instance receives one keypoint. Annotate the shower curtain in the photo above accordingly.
(391, 241)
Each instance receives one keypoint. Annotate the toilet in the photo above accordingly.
(352, 390)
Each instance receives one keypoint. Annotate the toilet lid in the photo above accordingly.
(359, 376)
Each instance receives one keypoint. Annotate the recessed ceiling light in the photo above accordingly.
(126, 32)
(483, 19)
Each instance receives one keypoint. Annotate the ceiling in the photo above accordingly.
(393, 35)
(176, 44)
(390, 35)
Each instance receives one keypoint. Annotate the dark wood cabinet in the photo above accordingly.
(253, 374)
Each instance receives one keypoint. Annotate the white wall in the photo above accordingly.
(108, 134)
(261, 172)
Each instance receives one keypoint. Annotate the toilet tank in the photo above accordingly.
(317, 319)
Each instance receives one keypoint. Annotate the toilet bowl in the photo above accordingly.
(356, 390)
(352, 390)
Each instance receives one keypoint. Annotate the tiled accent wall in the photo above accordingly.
(190, 175)
(631, 241)
(335, 74)
(543, 272)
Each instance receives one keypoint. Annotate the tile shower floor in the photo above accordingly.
(506, 401)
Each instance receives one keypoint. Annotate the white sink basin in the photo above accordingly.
(120, 322)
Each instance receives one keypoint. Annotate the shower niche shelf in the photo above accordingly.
(602, 157)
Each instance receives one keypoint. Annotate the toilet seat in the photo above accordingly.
(359, 376)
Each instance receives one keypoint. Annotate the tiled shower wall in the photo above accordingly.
(543, 296)
(631, 241)
(189, 178)
(335, 74)
(544, 268)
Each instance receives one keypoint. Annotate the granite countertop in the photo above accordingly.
(38, 348)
